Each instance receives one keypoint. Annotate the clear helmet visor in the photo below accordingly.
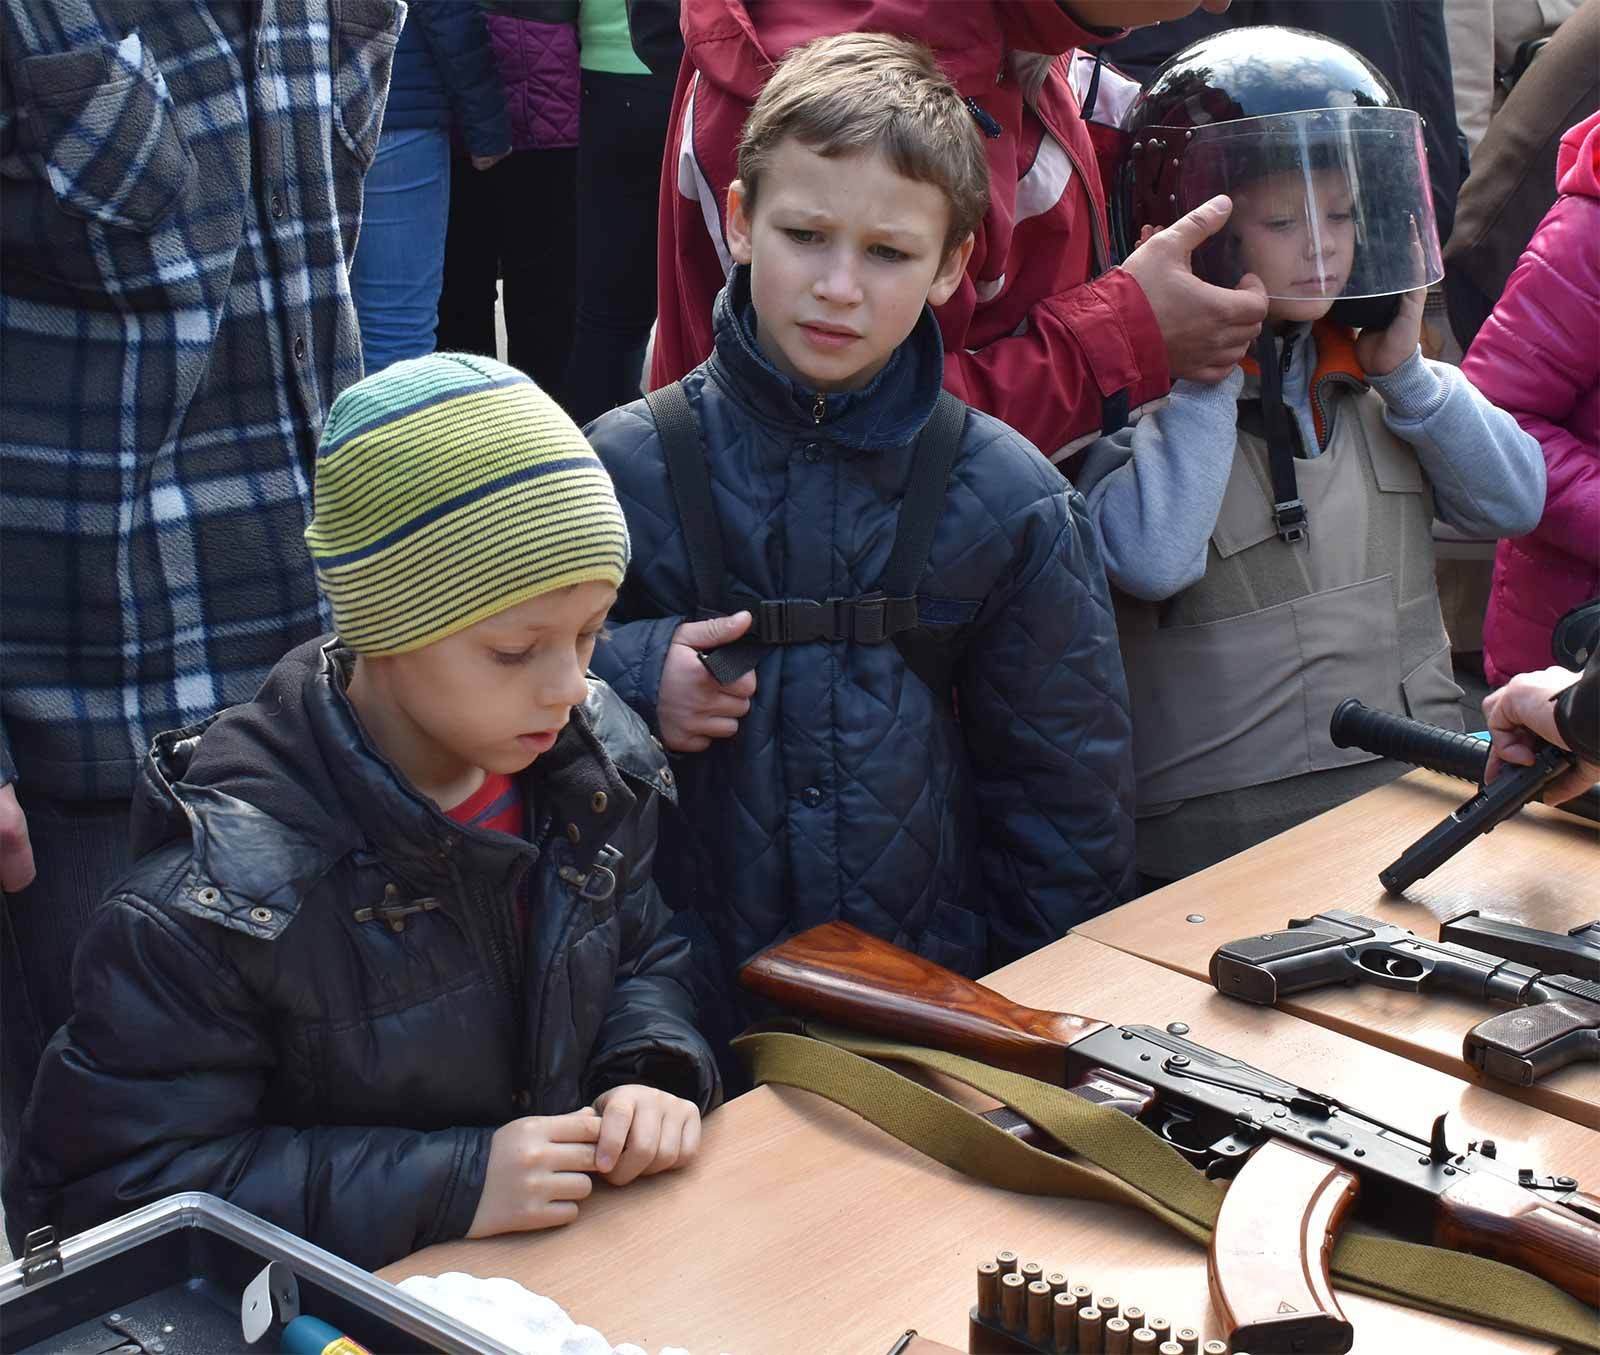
(1327, 204)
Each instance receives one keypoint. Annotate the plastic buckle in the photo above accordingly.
(868, 618)
(1290, 519)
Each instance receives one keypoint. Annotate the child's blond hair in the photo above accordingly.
(858, 92)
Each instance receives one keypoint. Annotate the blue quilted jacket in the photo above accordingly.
(443, 63)
(972, 829)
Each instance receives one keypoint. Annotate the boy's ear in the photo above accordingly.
(738, 224)
(950, 273)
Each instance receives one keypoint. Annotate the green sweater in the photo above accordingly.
(603, 39)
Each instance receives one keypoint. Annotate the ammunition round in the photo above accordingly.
(1215, 1348)
(988, 1290)
(1109, 1305)
(1013, 1302)
(1135, 1315)
(1143, 1341)
(1160, 1326)
(1006, 1260)
(1040, 1329)
(1031, 1271)
(1189, 1339)
(1084, 1293)
(1057, 1281)
(1169, 1348)
(1117, 1335)
(1064, 1320)
(1091, 1331)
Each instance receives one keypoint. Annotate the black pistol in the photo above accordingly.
(1557, 1020)
(1357, 726)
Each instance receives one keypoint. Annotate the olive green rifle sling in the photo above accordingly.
(1137, 1168)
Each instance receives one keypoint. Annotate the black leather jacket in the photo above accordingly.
(311, 998)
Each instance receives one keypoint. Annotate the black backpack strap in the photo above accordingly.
(924, 501)
(926, 488)
(889, 612)
(679, 432)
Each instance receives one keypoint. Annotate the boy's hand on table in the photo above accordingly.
(693, 707)
(644, 1130)
(539, 1168)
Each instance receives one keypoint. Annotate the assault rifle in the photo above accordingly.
(1560, 1018)
(1299, 1161)
(1443, 750)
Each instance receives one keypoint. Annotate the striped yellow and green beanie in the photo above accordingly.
(449, 488)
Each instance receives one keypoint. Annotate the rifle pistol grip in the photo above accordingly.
(1270, 1249)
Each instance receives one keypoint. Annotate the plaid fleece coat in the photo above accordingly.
(180, 189)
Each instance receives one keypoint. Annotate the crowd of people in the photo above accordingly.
(401, 748)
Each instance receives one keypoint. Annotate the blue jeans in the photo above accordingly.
(398, 267)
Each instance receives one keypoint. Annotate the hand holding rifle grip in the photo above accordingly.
(840, 973)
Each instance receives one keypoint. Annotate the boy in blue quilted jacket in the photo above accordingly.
(924, 734)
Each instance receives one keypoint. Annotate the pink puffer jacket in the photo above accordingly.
(538, 65)
(1538, 357)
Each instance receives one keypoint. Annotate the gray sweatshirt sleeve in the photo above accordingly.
(1487, 474)
(1154, 490)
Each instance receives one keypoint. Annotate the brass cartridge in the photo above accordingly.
(1117, 1335)
(1091, 1331)
(989, 1290)
(1013, 1303)
(1143, 1341)
(1064, 1314)
(1006, 1260)
(1040, 1330)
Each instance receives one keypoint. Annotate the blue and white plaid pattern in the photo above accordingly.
(180, 189)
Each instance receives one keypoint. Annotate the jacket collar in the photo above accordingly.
(888, 412)
(1335, 348)
(272, 793)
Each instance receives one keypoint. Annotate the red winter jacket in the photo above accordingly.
(1028, 337)
(1538, 357)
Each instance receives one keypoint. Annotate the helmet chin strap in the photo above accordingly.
(1288, 512)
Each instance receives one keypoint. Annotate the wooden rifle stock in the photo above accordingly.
(1274, 1235)
(840, 973)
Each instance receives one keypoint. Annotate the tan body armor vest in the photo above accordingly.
(1234, 680)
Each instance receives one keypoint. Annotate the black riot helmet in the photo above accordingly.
(1326, 169)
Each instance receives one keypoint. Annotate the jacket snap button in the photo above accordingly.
(813, 452)
(811, 797)
(207, 896)
(573, 835)
(598, 802)
(666, 776)
(261, 915)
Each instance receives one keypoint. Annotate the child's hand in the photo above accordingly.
(1380, 351)
(644, 1131)
(693, 707)
(538, 1171)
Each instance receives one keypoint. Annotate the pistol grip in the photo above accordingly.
(1524, 1044)
(1270, 1250)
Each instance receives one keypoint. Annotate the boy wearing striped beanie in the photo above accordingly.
(393, 926)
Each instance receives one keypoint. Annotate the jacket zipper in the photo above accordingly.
(819, 407)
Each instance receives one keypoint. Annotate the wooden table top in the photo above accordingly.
(802, 1228)
(1541, 869)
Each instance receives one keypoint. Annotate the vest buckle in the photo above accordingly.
(1289, 516)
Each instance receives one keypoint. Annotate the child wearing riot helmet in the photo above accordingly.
(391, 968)
(1268, 536)
(878, 555)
